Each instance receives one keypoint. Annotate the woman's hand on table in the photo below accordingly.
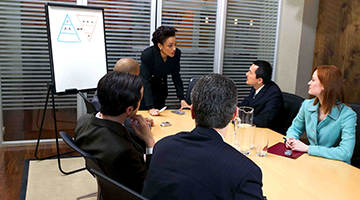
(184, 105)
(296, 145)
(154, 112)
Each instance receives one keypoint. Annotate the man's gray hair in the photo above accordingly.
(214, 100)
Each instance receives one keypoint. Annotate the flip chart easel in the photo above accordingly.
(77, 47)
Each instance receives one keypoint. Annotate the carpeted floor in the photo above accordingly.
(42, 180)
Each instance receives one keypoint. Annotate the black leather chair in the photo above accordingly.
(192, 83)
(355, 160)
(292, 104)
(112, 190)
(91, 162)
(89, 106)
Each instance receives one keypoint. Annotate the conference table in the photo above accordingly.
(307, 177)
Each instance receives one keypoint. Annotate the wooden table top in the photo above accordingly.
(307, 177)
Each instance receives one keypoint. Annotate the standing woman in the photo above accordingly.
(328, 122)
(156, 63)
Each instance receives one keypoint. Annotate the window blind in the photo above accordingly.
(24, 56)
(127, 27)
(250, 35)
(195, 22)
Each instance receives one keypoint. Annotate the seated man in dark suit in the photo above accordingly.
(265, 96)
(131, 66)
(199, 164)
(104, 136)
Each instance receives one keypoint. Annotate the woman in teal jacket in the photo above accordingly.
(328, 122)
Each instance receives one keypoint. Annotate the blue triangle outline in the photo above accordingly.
(67, 17)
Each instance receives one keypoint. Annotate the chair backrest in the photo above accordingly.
(292, 104)
(110, 189)
(89, 106)
(355, 160)
(192, 83)
(91, 162)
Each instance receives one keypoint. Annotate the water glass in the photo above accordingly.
(262, 142)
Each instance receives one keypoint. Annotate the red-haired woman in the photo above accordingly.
(328, 122)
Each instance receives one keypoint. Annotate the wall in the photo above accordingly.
(337, 42)
(307, 45)
(291, 20)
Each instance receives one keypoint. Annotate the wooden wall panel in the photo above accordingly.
(338, 41)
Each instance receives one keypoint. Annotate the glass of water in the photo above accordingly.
(262, 142)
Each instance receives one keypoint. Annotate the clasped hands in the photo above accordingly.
(143, 132)
(296, 145)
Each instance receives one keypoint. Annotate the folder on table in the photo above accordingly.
(279, 149)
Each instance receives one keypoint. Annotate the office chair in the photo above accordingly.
(292, 104)
(89, 106)
(355, 160)
(112, 190)
(192, 83)
(91, 163)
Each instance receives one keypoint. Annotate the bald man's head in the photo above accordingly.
(127, 65)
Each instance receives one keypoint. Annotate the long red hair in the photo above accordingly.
(332, 79)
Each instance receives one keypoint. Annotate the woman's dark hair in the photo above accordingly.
(161, 34)
(332, 79)
(117, 91)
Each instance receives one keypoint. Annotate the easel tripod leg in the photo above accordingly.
(56, 136)
(41, 126)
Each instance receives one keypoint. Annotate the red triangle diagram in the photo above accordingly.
(88, 23)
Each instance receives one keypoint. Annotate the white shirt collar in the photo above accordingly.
(258, 90)
(98, 115)
(220, 135)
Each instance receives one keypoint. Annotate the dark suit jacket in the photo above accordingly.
(200, 165)
(127, 122)
(267, 105)
(154, 72)
(109, 142)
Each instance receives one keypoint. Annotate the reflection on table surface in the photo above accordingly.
(307, 177)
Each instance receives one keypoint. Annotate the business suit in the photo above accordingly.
(154, 72)
(110, 143)
(333, 137)
(267, 104)
(200, 165)
(127, 122)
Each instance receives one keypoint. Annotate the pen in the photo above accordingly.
(162, 109)
(288, 152)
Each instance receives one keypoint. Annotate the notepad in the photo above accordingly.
(279, 149)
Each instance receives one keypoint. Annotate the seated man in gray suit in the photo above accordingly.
(104, 136)
(199, 164)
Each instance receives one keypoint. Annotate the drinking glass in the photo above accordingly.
(262, 142)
